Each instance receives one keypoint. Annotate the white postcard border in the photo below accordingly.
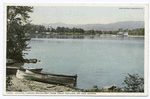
(146, 50)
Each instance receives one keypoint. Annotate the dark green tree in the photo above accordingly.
(100, 32)
(141, 31)
(17, 17)
(120, 29)
(29, 28)
(110, 32)
(53, 30)
(58, 29)
(130, 32)
(67, 30)
(74, 29)
(92, 32)
(48, 29)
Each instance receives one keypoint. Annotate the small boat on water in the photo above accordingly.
(47, 77)
(10, 61)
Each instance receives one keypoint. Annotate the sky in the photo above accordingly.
(85, 14)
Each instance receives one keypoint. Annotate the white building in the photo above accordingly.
(36, 32)
(47, 33)
(125, 34)
(122, 34)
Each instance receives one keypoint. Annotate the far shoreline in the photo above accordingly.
(105, 35)
(136, 36)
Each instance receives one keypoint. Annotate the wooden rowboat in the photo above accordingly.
(13, 70)
(47, 77)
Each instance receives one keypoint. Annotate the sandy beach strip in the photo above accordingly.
(14, 84)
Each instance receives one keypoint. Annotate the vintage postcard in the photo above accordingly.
(77, 49)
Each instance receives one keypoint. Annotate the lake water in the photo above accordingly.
(102, 61)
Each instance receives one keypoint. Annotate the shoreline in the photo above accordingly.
(14, 84)
(136, 36)
(88, 36)
(80, 39)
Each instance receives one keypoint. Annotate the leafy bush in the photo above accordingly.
(134, 83)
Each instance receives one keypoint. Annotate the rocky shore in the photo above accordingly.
(14, 84)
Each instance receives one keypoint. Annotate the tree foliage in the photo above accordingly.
(68, 30)
(31, 28)
(17, 17)
(133, 83)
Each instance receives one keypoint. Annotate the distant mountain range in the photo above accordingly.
(104, 27)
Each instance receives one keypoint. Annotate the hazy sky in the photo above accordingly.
(84, 14)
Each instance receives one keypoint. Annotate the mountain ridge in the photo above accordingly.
(104, 27)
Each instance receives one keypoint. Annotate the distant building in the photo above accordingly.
(36, 32)
(125, 33)
(122, 34)
(47, 33)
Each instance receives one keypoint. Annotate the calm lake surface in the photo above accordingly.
(102, 61)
